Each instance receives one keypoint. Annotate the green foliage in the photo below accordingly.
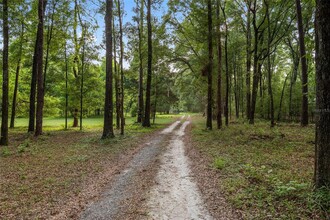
(219, 163)
(5, 152)
(24, 147)
(289, 189)
(76, 159)
(321, 199)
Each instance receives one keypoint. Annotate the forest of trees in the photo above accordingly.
(251, 59)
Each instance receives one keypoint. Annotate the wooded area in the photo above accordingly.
(234, 61)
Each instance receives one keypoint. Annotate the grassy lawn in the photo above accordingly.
(267, 173)
(39, 175)
(95, 122)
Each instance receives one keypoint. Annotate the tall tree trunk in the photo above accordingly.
(66, 86)
(39, 60)
(230, 99)
(76, 60)
(261, 92)
(294, 75)
(270, 93)
(257, 65)
(155, 101)
(13, 108)
(76, 42)
(227, 78)
(116, 75)
(5, 82)
(322, 157)
(256, 75)
(304, 68)
(290, 99)
(18, 69)
(48, 42)
(82, 77)
(292, 83)
(248, 62)
(261, 81)
(140, 28)
(236, 91)
(226, 110)
(33, 88)
(219, 101)
(210, 66)
(146, 121)
(269, 69)
(243, 110)
(281, 100)
(122, 125)
(108, 102)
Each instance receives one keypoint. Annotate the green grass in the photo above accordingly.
(93, 122)
(267, 173)
(219, 163)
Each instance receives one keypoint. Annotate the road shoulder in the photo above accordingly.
(207, 179)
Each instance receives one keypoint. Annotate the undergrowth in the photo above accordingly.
(267, 173)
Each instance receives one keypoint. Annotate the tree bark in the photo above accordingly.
(48, 42)
(256, 75)
(219, 101)
(227, 70)
(66, 86)
(146, 121)
(75, 65)
(14, 103)
(248, 62)
(76, 59)
(243, 110)
(281, 100)
(82, 77)
(39, 61)
(269, 69)
(322, 157)
(140, 28)
(270, 93)
(75, 118)
(210, 66)
(304, 68)
(18, 69)
(155, 102)
(33, 88)
(236, 90)
(5, 82)
(116, 74)
(108, 101)
(122, 125)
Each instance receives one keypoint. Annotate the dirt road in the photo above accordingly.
(175, 195)
(156, 184)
